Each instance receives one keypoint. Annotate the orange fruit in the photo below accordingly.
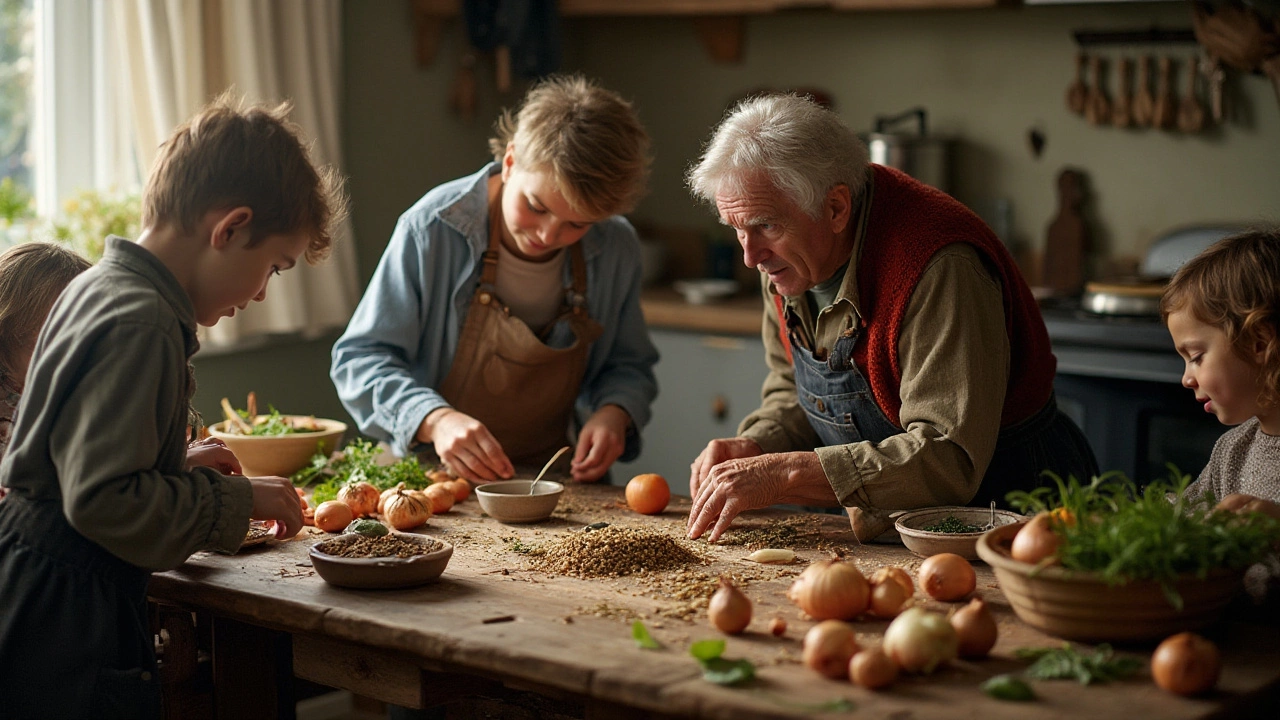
(648, 494)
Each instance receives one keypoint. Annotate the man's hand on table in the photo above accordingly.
(716, 452)
(734, 486)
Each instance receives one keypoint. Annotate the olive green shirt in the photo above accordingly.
(954, 355)
(102, 423)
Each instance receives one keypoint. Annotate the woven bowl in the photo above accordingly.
(280, 455)
(1076, 605)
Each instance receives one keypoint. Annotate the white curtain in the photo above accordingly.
(179, 54)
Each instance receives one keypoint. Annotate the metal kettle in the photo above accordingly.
(917, 154)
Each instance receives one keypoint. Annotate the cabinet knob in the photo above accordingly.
(719, 408)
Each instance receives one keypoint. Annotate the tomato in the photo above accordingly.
(648, 494)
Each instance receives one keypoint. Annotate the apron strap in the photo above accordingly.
(489, 258)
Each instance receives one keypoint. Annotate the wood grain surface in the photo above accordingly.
(571, 636)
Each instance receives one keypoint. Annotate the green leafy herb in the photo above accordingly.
(1123, 533)
(1008, 687)
(717, 669)
(518, 546)
(1066, 662)
(275, 424)
(952, 524)
(641, 635)
(356, 462)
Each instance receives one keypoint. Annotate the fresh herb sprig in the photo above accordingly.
(357, 462)
(720, 670)
(1158, 533)
(275, 424)
(952, 524)
(1094, 666)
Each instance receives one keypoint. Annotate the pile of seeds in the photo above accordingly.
(798, 531)
(614, 551)
(385, 546)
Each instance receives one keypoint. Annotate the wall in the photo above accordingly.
(985, 76)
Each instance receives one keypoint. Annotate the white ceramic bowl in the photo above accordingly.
(509, 501)
(281, 455)
(911, 528)
(701, 292)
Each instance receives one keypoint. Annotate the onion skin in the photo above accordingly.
(947, 577)
(872, 669)
(976, 629)
(1186, 664)
(831, 590)
(729, 610)
(919, 640)
(1037, 541)
(828, 647)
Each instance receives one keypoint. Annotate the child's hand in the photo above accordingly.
(1241, 503)
(601, 441)
(275, 499)
(466, 446)
(212, 452)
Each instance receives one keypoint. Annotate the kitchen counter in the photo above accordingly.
(737, 315)
(494, 620)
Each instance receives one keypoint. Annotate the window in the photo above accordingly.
(17, 48)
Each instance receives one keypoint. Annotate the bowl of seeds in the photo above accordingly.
(509, 501)
(395, 560)
(950, 529)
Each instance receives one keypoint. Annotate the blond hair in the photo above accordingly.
(231, 155)
(1234, 285)
(588, 138)
(32, 276)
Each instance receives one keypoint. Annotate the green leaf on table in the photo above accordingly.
(1008, 687)
(727, 672)
(705, 650)
(1066, 662)
(641, 635)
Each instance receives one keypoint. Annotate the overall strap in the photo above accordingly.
(489, 258)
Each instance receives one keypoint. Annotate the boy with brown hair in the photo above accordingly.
(102, 489)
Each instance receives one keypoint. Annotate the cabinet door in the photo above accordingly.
(706, 385)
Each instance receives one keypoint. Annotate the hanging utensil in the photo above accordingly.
(1098, 109)
(1190, 111)
(1077, 92)
(547, 467)
(1122, 112)
(1144, 103)
(1166, 112)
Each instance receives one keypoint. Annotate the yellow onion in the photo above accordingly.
(729, 610)
(442, 498)
(893, 572)
(405, 509)
(1186, 664)
(887, 596)
(828, 646)
(831, 590)
(872, 669)
(361, 496)
(976, 629)
(947, 577)
(1037, 541)
(920, 640)
(382, 499)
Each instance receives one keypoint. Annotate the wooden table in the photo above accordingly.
(490, 621)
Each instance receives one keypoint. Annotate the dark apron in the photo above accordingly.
(506, 377)
(75, 640)
(842, 409)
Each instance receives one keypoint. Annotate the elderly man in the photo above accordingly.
(908, 362)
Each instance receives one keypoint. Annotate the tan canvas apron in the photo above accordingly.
(504, 375)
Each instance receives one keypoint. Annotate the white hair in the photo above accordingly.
(802, 149)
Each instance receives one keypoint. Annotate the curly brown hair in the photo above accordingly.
(1234, 285)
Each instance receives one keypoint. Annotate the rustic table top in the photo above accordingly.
(493, 614)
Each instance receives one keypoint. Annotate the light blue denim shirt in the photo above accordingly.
(400, 342)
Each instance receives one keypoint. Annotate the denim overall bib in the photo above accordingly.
(840, 405)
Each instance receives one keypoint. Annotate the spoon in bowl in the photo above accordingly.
(556, 457)
(991, 525)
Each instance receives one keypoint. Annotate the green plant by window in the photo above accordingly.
(89, 217)
(15, 201)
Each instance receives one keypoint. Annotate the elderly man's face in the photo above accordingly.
(779, 239)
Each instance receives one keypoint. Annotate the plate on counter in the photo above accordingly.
(707, 290)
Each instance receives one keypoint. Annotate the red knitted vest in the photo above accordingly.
(910, 222)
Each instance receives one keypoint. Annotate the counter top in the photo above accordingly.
(738, 315)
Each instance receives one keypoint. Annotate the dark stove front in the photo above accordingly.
(1120, 379)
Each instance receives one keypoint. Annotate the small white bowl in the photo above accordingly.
(911, 527)
(701, 292)
(509, 501)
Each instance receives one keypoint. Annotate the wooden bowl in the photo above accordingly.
(1076, 605)
(281, 455)
(911, 528)
(384, 572)
(509, 501)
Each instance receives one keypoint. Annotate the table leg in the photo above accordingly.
(252, 672)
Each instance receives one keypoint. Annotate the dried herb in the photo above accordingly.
(1066, 662)
(952, 524)
(360, 546)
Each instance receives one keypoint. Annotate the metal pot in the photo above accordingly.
(924, 158)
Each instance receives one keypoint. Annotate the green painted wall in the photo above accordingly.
(985, 76)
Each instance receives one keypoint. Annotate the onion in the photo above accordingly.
(1186, 664)
(461, 489)
(778, 626)
(729, 610)
(406, 509)
(893, 572)
(975, 628)
(382, 499)
(333, 516)
(1037, 541)
(828, 646)
(441, 498)
(947, 577)
(872, 669)
(361, 496)
(919, 640)
(887, 596)
(831, 590)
